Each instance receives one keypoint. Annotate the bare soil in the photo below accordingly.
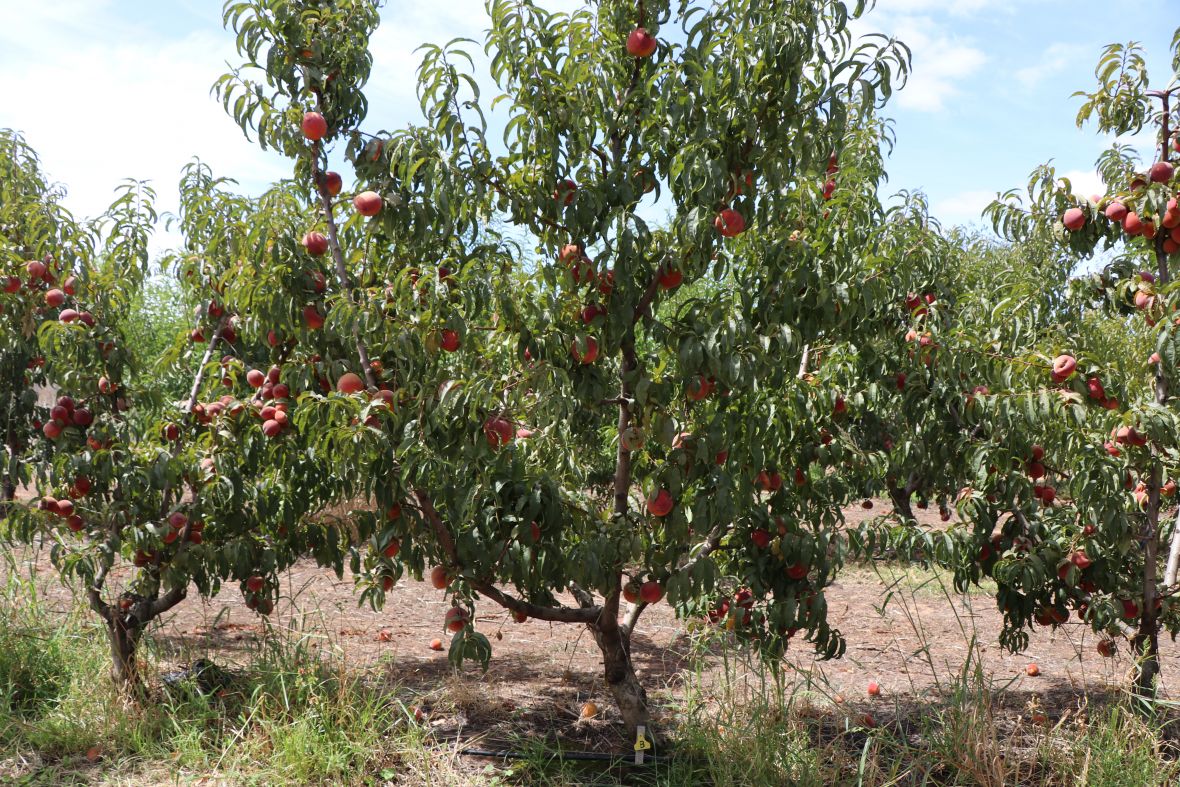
(914, 645)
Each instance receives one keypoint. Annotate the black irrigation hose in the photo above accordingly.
(584, 756)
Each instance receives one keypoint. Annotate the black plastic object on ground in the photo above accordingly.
(584, 756)
(207, 676)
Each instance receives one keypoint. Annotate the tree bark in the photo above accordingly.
(341, 268)
(901, 502)
(124, 642)
(613, 640)
(1173, 555)
(8, 472)
(1145, 643)
(621, 680)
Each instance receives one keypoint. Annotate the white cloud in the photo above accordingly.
(407, 26)
(966, 207)
(962, 208)
(953, 7)
(102, 95)
(100, 106)
(1055, 59)
(928, 90)
(1145, 143)
(942, 60)
(37, 24)
(941, 63)
(1084, 183)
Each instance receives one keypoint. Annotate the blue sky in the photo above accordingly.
(107, 89)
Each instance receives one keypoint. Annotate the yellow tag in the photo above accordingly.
(642, 743)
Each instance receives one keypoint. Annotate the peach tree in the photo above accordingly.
(213, 489)
(1138, 223)
(1027, 394)
(554, 400)
(63, 346)
(45, 255)
(923, 396)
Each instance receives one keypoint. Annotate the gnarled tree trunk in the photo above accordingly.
(1145, 644)
(618, 669)
(126, 627)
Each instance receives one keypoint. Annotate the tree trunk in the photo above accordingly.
(7, 495)
(901, 503)
(624, 685)
(1145, 643)
(124, 643)
(8, 473)
(1146, 639)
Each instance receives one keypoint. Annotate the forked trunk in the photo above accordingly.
(624, 685)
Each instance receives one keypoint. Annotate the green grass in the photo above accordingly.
(747, 729)
(1117, 748)
(34, 668)
(925, 581)
(292, 717)
(295, 715)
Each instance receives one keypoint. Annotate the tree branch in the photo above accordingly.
(167, 601)
(1021, 520)
(447, 542)
(341, 269)
(94, 594)
(646, 299)
(558, 614)
(584, 597)
(1173, 554)
(712, 541)
(632, 618)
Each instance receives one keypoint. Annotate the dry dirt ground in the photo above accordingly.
(913, 646)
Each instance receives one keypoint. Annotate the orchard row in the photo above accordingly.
(529, 392)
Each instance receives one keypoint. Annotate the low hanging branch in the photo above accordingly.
(447, 542)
